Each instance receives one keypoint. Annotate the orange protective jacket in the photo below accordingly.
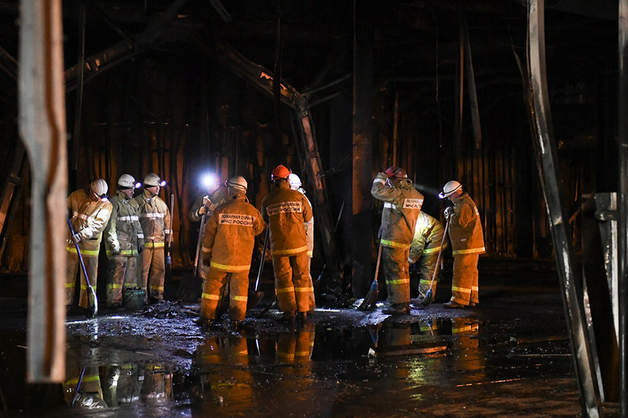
(89, 219)
(286, 211)
(402, 204)
(230, 233)
(465, 228)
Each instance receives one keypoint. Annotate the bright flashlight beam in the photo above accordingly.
(209, 181)
(426, 189)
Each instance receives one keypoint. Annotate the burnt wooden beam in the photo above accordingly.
(549, 173)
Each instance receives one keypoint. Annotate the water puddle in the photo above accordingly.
(134, 366)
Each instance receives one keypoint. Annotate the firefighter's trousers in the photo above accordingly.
(122, 273)
(397, 274)
(217, 283)
(427, 266)
(154, 270)
(90, 258)
(295, 291)
(464, 286)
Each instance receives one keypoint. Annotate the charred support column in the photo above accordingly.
(549, 172)
(43, 130)
(263, 79)
(361, 249)
(623, 205)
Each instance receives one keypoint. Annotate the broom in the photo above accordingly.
(373, 295)
(429, 295)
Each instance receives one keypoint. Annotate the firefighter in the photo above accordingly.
(467, 243)
(90, 211)
(228, 242)
(402, 204)
(425, 247)
(296, 184)
(206, 203)
(203, 206)
(155, 221)
(287, 211)
(124, 241)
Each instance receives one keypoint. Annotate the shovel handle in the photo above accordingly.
(94, 310)
(440, 251)
(261, 262)
(379, 257)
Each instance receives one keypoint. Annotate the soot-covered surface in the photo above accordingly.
(508, 357)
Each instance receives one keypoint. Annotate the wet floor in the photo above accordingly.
(509, 357)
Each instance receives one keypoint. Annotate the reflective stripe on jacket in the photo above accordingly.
(402, 204)
(89, 217)
(230, 233)
(154, 217)
(465, 228)
(286, 211)
(428, 234)
(124, 230)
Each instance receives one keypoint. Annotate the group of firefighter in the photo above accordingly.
(137, 230)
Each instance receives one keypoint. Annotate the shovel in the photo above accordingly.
(259, 295)
(92, 300)
(427, 300)
(372, 296)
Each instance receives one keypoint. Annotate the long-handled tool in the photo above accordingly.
(92, 300)
(259, 295)
(372, 296)
(169, 243)
(429, 294)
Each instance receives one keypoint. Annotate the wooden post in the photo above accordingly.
(43, 131)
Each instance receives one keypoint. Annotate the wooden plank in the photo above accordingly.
(43, 130)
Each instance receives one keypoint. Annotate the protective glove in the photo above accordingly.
(140, 248)
(115, 248)
(202, 210)
(449, 212)
(390, 171)
(206, 201)
(76, 238)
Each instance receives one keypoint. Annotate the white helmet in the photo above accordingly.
(238, 183)
(127, 181)
(450, 188)
(152, 180)
(295, 181)
(99, 187)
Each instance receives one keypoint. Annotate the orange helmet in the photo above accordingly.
(280, 172)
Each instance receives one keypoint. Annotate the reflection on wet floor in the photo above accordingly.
(319, 369)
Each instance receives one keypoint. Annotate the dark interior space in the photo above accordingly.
(183, 88)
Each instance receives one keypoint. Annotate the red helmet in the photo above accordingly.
(280, 172)
(396, 172)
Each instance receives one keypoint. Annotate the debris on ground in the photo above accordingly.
(167, 309)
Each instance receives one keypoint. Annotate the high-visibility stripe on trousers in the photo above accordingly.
(153, 270)
(396, 273)
(217, 283)
(121, 273)
(73, 267)
(295, 291)
(427, 266)
(464, 285)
